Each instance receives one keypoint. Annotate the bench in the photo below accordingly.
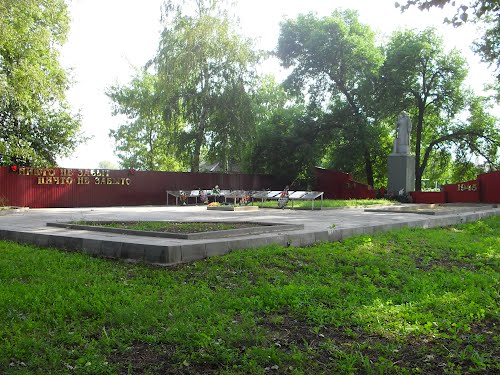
(193, 194)
(261, 195)
(292, 196)
(307, 196)
(265, 195)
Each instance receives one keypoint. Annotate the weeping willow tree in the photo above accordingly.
(204, 71)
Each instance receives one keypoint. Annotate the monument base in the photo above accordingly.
(401, 173)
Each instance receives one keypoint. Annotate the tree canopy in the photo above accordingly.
(36, 123)
(200, 98)
(486, 12)
(288, 136)
(141, 142)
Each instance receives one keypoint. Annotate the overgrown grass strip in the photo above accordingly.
(406, 301)
(327, 203)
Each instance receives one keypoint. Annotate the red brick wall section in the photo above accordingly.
(490, 187)
(339, 185)
(428, 197)
(100, 188)
(485, 189)
(463, 192)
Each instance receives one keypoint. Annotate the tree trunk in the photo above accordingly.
(418, 141)
(151, 151)
(368, 168)
(200, 130)
(195, 158)
(418, 178)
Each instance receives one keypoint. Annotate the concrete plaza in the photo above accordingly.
(30, 226)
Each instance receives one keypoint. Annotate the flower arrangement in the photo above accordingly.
(284, 197)
(216, 190)
(183, 196)
(245, 200)
(203, 196)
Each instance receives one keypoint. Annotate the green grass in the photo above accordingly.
(164, 226)
(407, 301)
(327, 203)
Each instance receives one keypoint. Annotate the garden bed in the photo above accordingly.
(192, 230)
(6, 210)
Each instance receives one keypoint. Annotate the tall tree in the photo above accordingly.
(335, 60)
(204, 71)
(36, 124)
(429, 83)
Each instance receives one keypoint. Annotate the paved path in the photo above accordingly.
(30, 226)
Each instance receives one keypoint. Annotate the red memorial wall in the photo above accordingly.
(484, 189)
(489, 187)
(60, 187)
(340, 185)
(464, 192)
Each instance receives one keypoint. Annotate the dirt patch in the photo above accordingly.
(429, 265)
(142, 358)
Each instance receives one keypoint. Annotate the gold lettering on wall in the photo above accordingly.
(83, 181)
(93, 172)
(112, 181)
(63, 176)
(467, 187)
(56, 180)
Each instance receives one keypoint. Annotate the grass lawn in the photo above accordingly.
(327, 203)
(406, 301)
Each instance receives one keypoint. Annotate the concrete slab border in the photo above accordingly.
(141, 250)
(260, 229)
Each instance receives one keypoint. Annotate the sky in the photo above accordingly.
(110, 39)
